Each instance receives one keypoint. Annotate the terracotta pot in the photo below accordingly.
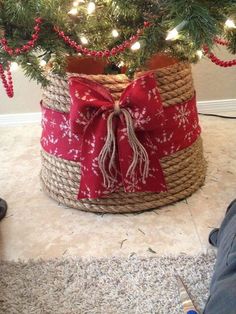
(88, 65)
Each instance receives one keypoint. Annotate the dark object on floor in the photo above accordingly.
(3, 208)
(223, 286)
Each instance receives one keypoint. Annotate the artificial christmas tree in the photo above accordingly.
(120, 125)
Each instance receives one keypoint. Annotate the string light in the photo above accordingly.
(73, 11)
(174, 33)
(121, 64)
(42, 63)
(136, 46)
(14, 66)
(230, 23)
(199, 53)
(91, 7)
(84, 40)
(115, 33)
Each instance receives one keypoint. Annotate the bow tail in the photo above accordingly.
(135, 181)
(92, 184)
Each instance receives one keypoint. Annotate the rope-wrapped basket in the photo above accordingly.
(184, 170)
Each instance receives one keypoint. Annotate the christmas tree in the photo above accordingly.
(125, 32)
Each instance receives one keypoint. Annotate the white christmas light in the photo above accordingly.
(91, 7)
(115, 33)
(73, 11)
(230, 23)
(172, 35)
(121, 64)
(14, 66)
(84, 40)
(135, 46)
(199, 53)
(42, 63)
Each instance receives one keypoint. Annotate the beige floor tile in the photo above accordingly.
(209, 204)
(36, 227)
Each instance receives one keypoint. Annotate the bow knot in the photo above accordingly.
(117, 109)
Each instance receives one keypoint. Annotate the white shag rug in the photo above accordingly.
(131, 285)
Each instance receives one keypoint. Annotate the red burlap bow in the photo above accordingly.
(116, 150)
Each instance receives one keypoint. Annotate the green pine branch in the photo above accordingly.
(204, 20)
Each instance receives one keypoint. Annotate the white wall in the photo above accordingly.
(211, 82)
(27, 95)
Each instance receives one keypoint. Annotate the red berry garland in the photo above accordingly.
(103, 53)
(28, 46)
(7, 81)
(214, 59)
(221, 41)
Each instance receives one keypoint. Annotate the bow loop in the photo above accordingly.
(144, 103)
(87, 98)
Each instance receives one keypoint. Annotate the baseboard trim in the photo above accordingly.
(211, 106)
(19, 118)
(217, 106)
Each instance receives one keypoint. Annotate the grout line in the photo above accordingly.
(196, 229)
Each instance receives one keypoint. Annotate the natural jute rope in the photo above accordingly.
(184, 171)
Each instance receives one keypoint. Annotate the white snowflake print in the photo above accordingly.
(53, 123)
(143, 81)
(153, 94)
(44, 141)
(87, 192)
(134, 83)
(113, 184)
(165, 138)
(86, 96)
(44, 119)
(140, 119)
(151, 145)
(95, 167)
(65, 127)
(75, 153)
(103, 139)
(83, 168)
(123, 135)
(104, 116)
(55, 152)
(182, 116)
(92, 144)
(195, 125)
(160, 113)
(84, 118)
(52, 139)
(132, 184)
(66, 130)
(127, 101)
(173, 149)
(188, 136)
(153, 172)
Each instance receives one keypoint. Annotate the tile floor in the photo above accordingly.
(36, 227)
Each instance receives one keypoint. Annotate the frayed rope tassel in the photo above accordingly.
(108, 152)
